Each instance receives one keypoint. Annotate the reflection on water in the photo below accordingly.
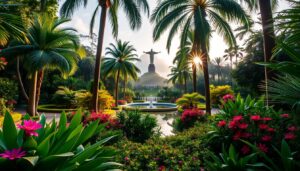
(164, 121)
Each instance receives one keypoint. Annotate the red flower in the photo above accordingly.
(237, 118)
(162, 168)
(232, 124)
(228, 97)
(13, 154)
(243, 126)
(237, 136)
(289, 136)
(266, 138)
(222, 123)
(30, 126)
(292, 128)
(271, 130)
(262, 147)
(245, 149)
(266, 119)
(285, 115)
(263, 126)
(255, 117)
(191, 114)
(246, 135)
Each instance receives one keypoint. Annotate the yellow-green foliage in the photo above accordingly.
(84, 98)
(217, 92)
(190, 100)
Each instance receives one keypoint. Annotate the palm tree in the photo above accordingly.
(180, 74)
(265, 7)
(121, 62)
(132, 10)
(229, 56)
(218, 62)
(49, 47)
(202, 16)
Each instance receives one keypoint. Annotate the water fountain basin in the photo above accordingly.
(151, 107)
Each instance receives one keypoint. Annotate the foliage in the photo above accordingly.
(190, 100)
(6, 106)
(169, 94)
(8, 89)
(3, 63)
(41, 151)
(188, 119)
(83, 99)
(129, 95)
(183, 151)
(217, 92)
(136, 126)
(249, 120)
(65, 96)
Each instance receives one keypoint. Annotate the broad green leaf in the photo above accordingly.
(32, 159)
(9, 132)
(30, 143)
(76, 120)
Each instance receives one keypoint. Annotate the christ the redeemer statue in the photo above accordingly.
(151, 53)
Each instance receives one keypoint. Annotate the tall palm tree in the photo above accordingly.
(265, 8)
(218, 62)
(131, 8)
(202, 16)
(49, 47)
(180, 74)
(229, 56)
(121, 62)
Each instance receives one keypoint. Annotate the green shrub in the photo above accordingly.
(217, 92)
(65, 96)
(183, 151)
(8, 89)
(136, 126)
(83, 99)
(53, 146)
(190, 100)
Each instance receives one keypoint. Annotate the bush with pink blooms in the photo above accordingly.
(188, 119)
(122, 102)
(241, 120)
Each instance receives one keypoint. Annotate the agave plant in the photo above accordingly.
(53, 146)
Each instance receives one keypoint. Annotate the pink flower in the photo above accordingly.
(292, 128)
(263, 126)
(162, 168)
(266, 119)
(237, 118)
(266, 138)
(228, 97)
(243, 126)
(246, 135)
(262, 147)
(271, 130)
(232, 125)
(237, 136)
(30, 126)
(245, 149)
(285, 115)
(222, 123)
(255, 117)
(289, 136)
(13, 154)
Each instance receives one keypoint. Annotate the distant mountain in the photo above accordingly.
(151, 79)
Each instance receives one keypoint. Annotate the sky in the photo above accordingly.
(142, 39)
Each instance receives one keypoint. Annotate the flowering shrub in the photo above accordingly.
(188, 119)
(217, 92)
(112, 123)
(122, 102)
(32, 145)
(228, 97)
(3, 63)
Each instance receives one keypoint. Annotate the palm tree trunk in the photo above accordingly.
(206, 78)
(194, 77)
(40, 78)
(268, 35)
(117, 88)
(125, 81)
(98, 58)
(24, 93)
(31, 108)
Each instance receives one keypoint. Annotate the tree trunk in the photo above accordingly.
(125, 81)
(117, 88)
(194, 77)
(31, 108)
(268, 36)
(24, 93)
(206, 78)
(40, 78)
(98, 58)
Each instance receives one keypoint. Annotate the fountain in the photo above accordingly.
(151, 106)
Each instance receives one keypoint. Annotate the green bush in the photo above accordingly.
(65, 96)
(136, 126)
(53, 146)
(217, 92)
(183, 151)
(190, 100)
(8, 89)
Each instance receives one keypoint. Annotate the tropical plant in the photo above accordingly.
(49, 47)
(136, 126)
(188, 119)
(217, 92)
(202, 16)
(190, 100)
(32, 145)
(181, 75)
(218, 61)
(8, 89)
(131, 8)
(120, 62)
(65, 96)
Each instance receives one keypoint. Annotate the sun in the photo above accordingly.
(197, 60)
